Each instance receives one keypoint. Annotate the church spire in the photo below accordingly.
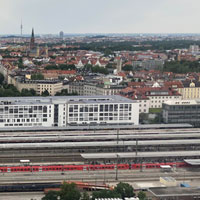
(32, 42)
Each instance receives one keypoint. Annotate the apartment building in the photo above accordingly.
(158, 96)
(141, 99)
(52, 86)
(67, 110)
(149, 97)
(88, 89)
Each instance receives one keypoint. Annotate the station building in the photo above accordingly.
(63, 111)
(182, 111)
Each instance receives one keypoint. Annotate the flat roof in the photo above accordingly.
(68, 99)
(96, 144)
(140, 154)
(181, 102)
(98, 127)
(194, 162)
(168, 178)
(165, 166)
(174, 191)
(115, 143)
(92, 136)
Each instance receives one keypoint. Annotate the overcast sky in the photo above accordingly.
(100, 16)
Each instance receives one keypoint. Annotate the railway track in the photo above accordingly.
(109, 176)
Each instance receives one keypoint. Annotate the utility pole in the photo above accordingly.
(116, 177)
(136, 150)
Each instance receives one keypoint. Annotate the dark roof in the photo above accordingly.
(187, 83)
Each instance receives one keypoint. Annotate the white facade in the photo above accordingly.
(144, 105)
(65, 111)
(157, 101)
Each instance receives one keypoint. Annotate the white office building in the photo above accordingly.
(67, 110)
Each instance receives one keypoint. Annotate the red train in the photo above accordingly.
(37, 168)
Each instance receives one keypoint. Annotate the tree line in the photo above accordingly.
(108, 47)
(69, 191)
(182, 66)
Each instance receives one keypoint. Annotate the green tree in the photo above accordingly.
(33, 92)
(37, 76)
(1, 78)
(51, 195)
(125, 190)
(45, 93)
(98, 69)
(128, 68)
(87, 68)
(50, 67)
(85, 196)
(105, 194)
(64, 92)
(69, 192)
(26, 92)
(141, 195)
(66, 67)
(20, 63)
(109, 66)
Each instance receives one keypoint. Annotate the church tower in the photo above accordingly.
(46, 51)
(32, 42)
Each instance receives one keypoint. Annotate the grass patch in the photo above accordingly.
(155, 110)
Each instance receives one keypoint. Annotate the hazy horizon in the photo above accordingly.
(95, 16)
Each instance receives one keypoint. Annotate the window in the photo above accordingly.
(45, 109)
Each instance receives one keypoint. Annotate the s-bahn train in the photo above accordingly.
(62, 168)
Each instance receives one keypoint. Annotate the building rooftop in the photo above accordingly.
(174, 192)
(182, 102)
(195, 162)
(66, 99)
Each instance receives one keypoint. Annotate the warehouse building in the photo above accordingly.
(67, 110)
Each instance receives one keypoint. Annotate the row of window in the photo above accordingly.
(24, 116)
(26, 124)
(101, 108)
(71, 119)
(23, 120)
(165, 97)
(100, 114)
(22, 109)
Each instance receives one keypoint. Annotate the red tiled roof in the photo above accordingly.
(59, 71)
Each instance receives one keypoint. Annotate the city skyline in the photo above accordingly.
(113, 16)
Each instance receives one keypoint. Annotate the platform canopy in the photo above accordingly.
(194, 162)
